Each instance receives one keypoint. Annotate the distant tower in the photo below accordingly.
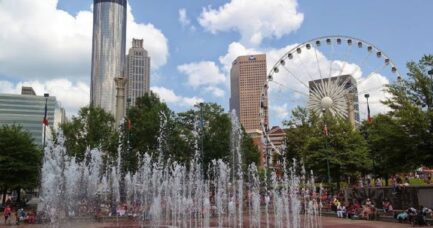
(108, 51)
(120, 99)
(247, 77)
(138, 71)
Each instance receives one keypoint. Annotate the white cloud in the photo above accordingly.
(282, 111)
(254, 20)
(183, 17)
(202, 73)
(235, 49)
(72, 96)
(154, 40)
(39, 41)
(215, 91)
(168, 96)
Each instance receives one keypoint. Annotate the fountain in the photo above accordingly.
(166, 193)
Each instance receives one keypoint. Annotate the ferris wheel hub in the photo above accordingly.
(326, 102)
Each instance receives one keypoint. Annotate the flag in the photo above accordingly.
(45, 120)
(368, 114)
(325, 130)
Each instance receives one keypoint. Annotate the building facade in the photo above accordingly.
(138, 71)
(108, 51)
(247, 78)
(28, 111)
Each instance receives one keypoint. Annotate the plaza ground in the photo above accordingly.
(327, 222)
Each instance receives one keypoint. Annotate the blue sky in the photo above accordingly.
(194, 46)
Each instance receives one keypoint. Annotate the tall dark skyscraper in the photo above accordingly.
(108, 51)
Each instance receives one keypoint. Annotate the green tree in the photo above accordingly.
(388, 145)
(20, 160)
(344, 147)
(152, 129)
(215, 135)
(412, 109)
(93, 128)
(298, 129)
(250, 152)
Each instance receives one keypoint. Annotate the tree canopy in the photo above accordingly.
(93, 128)
(343, 146)
(20, 159)
(412, 109)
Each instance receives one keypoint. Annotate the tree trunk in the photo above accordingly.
(5, 190)
(18, 194)
(338, 178)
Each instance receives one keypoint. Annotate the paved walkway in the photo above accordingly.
(329, 222)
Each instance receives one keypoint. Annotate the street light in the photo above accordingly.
(366, 132)
(326, 147)
(46, 95)
(201, 136)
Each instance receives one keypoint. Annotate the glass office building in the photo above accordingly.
(28, 112)
(108, 51)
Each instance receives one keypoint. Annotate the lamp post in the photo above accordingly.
(366, 132)
(326, 148)
(46, 95)
(201, 136)
(430, 72)
(368, 107)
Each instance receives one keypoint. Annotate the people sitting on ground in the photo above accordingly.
(341, 211)
(402, 216)
(378, 183)
(412, 212)
(30, 218)
(334, 204)
(354, 210)
(420, 217)
(368, 210)
(387, 206)
(427, 212)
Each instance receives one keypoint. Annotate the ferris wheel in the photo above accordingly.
(335, 74)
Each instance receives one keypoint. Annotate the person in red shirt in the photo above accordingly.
(7, 213)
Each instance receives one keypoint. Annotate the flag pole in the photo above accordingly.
(368, 108)
(45, 121)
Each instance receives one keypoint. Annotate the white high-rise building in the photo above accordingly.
(138, 71)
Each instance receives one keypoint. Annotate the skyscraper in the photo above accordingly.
(138, 71)
(247, 78)
(108, 51)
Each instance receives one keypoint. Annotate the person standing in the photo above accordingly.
(7, 213)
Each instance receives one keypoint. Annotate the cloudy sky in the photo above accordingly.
(47, 43)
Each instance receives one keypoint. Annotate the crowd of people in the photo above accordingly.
(367, 210)
(18, 216)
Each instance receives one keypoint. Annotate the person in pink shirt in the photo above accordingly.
(7, 213)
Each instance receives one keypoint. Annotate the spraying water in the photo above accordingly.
(166, 193)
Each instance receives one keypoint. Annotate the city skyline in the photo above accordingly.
(191, 45)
